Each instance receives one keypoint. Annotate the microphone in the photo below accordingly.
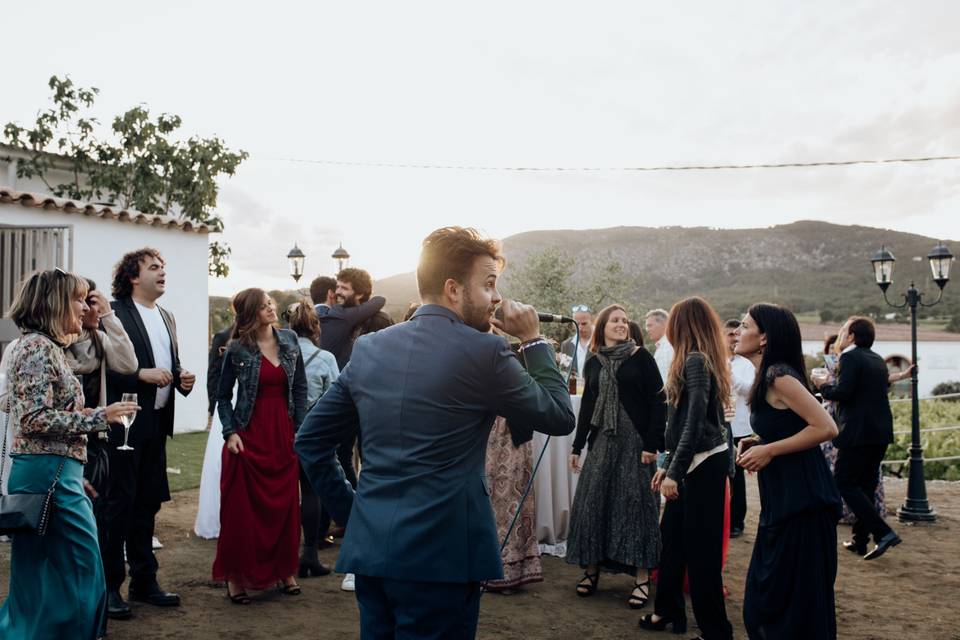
(543, 317)
(552, 317)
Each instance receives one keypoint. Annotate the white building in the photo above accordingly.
(38, 231)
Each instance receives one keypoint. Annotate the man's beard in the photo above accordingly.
(348, 302)
(474, 315)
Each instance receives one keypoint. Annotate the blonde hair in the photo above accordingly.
(42, 304)
(302, 320)
(693, 325)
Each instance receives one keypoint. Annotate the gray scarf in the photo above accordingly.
(606, 413)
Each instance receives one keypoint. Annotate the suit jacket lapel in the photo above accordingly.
(173, 335)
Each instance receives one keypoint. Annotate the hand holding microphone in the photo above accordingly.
(517, 319)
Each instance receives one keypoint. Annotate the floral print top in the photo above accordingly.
(46, 402)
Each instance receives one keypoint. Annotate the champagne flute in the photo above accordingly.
(127, 421)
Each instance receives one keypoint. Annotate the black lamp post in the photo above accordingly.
(295, 259)
(915, 507)
(341, 256)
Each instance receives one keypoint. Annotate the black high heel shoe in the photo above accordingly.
(676, 626)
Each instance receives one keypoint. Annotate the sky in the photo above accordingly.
(507, 84)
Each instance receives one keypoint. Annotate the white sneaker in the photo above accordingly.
(156, 543)
(348, 583)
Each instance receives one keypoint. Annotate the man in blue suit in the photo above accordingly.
(421, 534)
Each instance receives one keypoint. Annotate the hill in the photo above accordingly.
(808, 266)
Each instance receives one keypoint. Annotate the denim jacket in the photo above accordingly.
(242, 365)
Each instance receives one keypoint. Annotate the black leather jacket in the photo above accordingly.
(697, 423)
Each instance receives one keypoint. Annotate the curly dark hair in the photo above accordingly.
(129, 268)
(360, 280)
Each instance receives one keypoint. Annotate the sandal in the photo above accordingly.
(289, 589)
(638, 601)
(238, 598)
(588, 588)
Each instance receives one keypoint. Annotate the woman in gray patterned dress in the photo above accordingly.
(614, 524)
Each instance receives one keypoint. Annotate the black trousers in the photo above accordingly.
(310, 513)
(692, 534)
(856, 474)
(137, 487)
(345, 456)
(738, 497)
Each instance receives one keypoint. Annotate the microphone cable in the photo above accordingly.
(536, 467)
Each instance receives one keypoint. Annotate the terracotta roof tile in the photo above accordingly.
(50, 203)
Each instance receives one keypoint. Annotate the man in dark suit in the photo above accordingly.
(866, 429)
(421, 534)
(580, 352)
(138, 478)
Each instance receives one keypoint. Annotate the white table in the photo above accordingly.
(554, 487)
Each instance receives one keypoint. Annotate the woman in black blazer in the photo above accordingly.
(614, 519)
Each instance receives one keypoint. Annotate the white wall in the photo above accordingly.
(99, 243)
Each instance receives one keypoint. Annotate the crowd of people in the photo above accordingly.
(413, 443)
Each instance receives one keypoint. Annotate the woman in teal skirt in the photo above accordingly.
(57, 587)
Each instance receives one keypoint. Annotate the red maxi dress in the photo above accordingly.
(260, 493)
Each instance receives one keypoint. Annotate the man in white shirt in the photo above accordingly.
(138, 478)
(655, 323)
(580, 352)
(742, 375)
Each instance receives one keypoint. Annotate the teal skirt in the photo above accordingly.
(57, 588)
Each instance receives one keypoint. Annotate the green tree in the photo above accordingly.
(826, 316)
(543, 280)
(140, 166)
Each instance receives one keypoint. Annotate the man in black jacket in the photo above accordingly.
(138, 478)
(866, 429)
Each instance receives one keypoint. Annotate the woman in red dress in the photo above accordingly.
(259, 482)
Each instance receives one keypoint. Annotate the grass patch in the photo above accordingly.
(185, 452)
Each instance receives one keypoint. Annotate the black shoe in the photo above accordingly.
(887, 541)
(310, 564)
(859, 548)
(325, 543)
(677, 626)
(117, 607)
(736, 532)
(153, 594)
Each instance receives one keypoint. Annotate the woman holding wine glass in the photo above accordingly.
(57, 587)
(259, 481)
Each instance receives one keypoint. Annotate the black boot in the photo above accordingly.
(310, 564)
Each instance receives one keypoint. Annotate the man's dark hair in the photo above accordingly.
(863, 330)
(129, 268)
(360, 280)
(732, 323)
(449, 253)
(319, 288)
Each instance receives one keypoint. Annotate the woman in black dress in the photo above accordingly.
(789, 591)
(613, 521)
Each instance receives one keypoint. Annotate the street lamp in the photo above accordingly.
(341, 256)
(295, 258)
(915, 507)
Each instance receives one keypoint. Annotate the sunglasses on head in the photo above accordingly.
(578, 308)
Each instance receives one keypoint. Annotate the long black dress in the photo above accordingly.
(789, 591)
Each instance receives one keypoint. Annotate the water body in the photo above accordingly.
(939, 361)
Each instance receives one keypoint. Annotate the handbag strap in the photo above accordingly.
(310, 359)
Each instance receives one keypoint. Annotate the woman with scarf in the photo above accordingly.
(614, 519)
(95, 351)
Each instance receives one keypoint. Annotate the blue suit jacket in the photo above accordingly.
(426, 393)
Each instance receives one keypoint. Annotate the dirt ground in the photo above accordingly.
(912, 593)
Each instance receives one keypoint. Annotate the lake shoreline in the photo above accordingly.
(885, 332)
